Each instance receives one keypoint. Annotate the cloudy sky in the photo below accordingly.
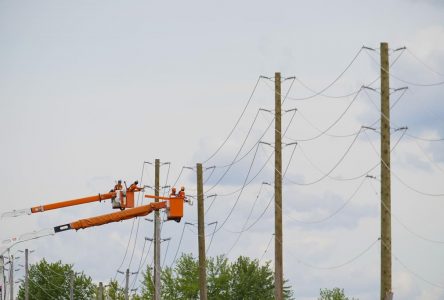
(90, 90)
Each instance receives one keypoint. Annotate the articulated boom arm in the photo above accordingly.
(120, 198)
(73, 202)
(173, 206)
(113, 217)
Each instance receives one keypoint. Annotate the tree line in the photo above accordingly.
(243, 278)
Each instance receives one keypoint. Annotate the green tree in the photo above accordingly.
(334, 294)
(114, 291)
(52, 280)
(242, 279)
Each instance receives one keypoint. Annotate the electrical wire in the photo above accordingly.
(329, 85)
(166, 253)
(342, 264)
(410, 270)
(426, 155)
(331, 170)
(405, 226)
(131, 232)
(178, 247)
(266, 249)
(407, 81)
(269, 202)
(41, 288)
(246, 221)
(211, 240)
(402, 181)
(423, 63)
(237, 122)
(322, 132)
(334, 213)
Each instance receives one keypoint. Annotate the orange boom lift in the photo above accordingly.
(122, 199)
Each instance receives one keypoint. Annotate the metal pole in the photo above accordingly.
(278, 260)
(386, 231)
(201, 235)
(26, 275)
(157, 234)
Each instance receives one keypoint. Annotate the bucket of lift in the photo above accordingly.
(175, 208)
(123, 199)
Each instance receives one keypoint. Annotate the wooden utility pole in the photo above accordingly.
(2, 277)
(278, 259)
(11, 277)
(100, 293)
(157, 233)
(386, 227)
(201, 235)
(71, 286)
(26, 274)
(127, 285)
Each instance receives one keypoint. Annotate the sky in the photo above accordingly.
(90, 90)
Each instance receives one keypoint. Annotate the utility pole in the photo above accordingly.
(26, 275)
(127, 285)
(386, 226)
(278, 260)
(11, 277)
(100, 293)
(201, 235)
(157, 233)
(2, 277)
(71, 286)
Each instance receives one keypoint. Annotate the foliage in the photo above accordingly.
(114, 291)
(52, 281)
(334, 294)
(242, 279)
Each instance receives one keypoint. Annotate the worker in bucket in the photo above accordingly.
(134, 188)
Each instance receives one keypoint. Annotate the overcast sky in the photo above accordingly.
(89, 90)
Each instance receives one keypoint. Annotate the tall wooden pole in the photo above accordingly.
(201, 234)
(100, 294)
(157, 233)
(26, 274)
(278, 240)
(386, 229)
(2, 278)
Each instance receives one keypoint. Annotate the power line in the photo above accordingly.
(402, 181)
(331, 170)
(423, 63)
(413, 272)
(269, 202)
(237, 122)
(334, 213)
(266, 249)
(329, 85)
(407, 81)
(406, 227)
(342, 264)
